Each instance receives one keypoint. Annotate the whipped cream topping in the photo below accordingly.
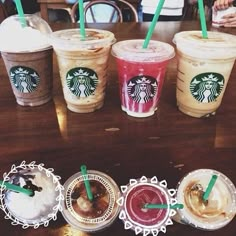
(15, 38)
(33, 208)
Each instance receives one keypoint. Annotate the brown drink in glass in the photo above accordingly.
(86, 215)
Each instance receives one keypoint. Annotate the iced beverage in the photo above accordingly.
(83, 66)
(141, 74)
(212, 214)
(139, 193)
(40, 207)
(27, 55)
(204, 67)
(86, 215)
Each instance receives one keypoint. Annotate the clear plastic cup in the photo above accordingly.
(136, 195)
(80, 212)
(83, 64)
(141, 74)
(27, 55)
(215, 213)
(204, 68)
(36, 209)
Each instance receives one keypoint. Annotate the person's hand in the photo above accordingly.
(229, 20)
(222, 4)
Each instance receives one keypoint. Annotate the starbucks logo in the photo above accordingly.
(206, 87)
(24, 78)
(81, 81)
(142, 88)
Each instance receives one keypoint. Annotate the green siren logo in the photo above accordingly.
(81, 81)
(24, 78)
(142, 88)
(206, 87)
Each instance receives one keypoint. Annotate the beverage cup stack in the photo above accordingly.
(90, 215)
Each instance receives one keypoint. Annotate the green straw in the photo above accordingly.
(153, 23)
(209, 187)
(20, 12)
(81, 18)
(86, 182)
(16, 188)
(202, 19)
(163, 206)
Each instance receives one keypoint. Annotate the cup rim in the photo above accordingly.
(72, 41)
(131, 50)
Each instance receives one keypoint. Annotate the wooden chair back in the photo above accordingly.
(96, 16)
(119, 11)
(128, 11)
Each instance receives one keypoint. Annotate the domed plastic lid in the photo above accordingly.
(14, 37)
(134, 200)
(215, 39)
(221, 202)
(71, 39)
(30, 195)
(86, 215)
(131, 50)
(217, 45)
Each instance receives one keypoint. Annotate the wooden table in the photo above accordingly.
(167, 145)
(59, 4)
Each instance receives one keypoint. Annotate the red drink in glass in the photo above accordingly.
(136, 215)
(141, 74)
(141, 195)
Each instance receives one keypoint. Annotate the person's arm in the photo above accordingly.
(222, 4)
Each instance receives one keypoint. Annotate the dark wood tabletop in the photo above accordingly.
(167, 145)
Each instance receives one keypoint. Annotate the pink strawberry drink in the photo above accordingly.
(134, 211)
(141, 74)
(141, 195)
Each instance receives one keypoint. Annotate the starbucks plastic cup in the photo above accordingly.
(215, 213)
(27, 55)
(136, 195)
(141, 74)
(83, 66)
(36, 209)
(90, 216)
(204, 68)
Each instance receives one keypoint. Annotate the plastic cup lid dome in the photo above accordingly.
(17, 38)
(131, 50)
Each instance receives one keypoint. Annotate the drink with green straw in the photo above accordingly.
(83, 64)
(86, 213)
(27, 55)
(141, 73)
(209, 199)
(203, 71)
(141, 66)
(82, 56)
(31, 195)
(147, 205)
(205, 61)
